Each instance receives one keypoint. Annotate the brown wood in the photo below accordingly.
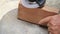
(34, 15)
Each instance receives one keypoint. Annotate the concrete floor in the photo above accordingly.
(11, 25)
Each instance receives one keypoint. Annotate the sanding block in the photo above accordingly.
(34, 15)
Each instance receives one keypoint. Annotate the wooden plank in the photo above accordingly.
(34, 15)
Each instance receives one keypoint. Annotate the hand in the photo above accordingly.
(53, 23)
(45, 21)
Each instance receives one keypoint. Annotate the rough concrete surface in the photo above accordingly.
(11, 25)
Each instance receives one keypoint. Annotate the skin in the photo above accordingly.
(53, 23)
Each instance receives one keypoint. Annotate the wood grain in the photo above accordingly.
(36, 14)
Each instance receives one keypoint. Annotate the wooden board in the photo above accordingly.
(36, 14)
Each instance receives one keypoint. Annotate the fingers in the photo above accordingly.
(45, 20)
(54, 25)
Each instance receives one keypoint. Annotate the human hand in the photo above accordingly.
(53, 23)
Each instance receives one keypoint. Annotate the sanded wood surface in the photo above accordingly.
(36, 14)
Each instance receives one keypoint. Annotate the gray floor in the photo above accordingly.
(11, 25)
(53, 3)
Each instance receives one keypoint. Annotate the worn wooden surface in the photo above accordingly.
(36, 14)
